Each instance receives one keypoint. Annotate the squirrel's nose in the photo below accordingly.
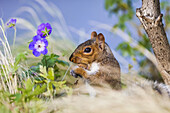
(71, 58)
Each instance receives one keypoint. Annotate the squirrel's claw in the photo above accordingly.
(74, 74)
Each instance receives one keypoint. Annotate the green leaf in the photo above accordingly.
(64, 63)
(50, 87)
(20, 57)
(126, 49)
(43, 72)
(16, 97)
(29, 85)
(43, 69)
(50, 74)
(145, 42)
(35, 68)
(164, 4)
(56, 69)
(49, 60)
(43, 32)
(108, 3)
(58, 84)
(38, 90)
(122, 8)
(39, 81)
(46, 30)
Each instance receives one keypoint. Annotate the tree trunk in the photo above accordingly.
(151, 19)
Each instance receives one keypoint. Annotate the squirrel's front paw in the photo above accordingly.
(75, 74)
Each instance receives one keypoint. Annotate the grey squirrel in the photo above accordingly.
(96, 62)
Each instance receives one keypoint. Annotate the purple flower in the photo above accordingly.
(44, 30)
(38, 45)
(11, 23)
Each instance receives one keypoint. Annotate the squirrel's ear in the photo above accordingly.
(93, 35)
(101, 41)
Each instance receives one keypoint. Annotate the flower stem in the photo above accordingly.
(45, 62)
(15, 31)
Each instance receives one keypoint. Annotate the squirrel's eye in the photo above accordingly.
(87, 50)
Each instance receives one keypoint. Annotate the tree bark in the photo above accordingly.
(151, 19)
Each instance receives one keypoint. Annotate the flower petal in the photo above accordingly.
(44, 30)
(45, 42)
(42, 36)
(36, 53)
(49, 28)
(41, 26)
(36, 38)
(45, 51)
(31, 45)
(39, 32)
(49, 32)
(13, 21)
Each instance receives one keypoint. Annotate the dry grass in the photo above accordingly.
(7, 82)
(137, 97)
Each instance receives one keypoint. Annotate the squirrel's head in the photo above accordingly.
(89, 51)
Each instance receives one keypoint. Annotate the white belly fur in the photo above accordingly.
(93, 69)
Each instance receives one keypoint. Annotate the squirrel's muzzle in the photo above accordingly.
(75, 59)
